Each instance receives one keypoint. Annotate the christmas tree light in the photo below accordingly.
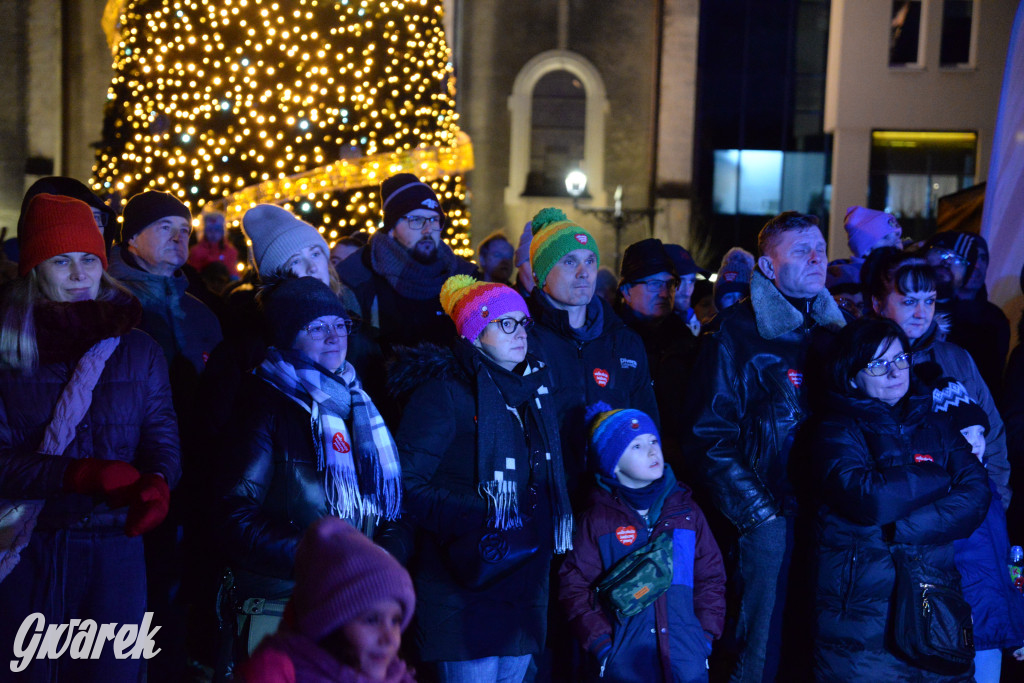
(308, 104)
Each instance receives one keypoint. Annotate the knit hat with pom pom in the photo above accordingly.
(554, 236)
(471, 304)
(612, 430)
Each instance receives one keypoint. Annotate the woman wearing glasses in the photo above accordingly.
(902, 288)
(889, 473)
(306, 441)
(482, 472)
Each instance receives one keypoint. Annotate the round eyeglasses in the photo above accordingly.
(432, 223)
(877, 368)
(655, 286)
(509, 325)
(318, 331)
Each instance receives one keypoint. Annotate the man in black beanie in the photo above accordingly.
(397, 276)
(648, 283)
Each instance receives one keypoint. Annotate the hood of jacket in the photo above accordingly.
(775, 316)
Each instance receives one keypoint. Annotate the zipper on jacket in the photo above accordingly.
(849, 580)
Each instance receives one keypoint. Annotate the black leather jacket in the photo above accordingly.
(750, 397)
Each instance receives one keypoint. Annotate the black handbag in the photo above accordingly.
(931, 622)
(480, 558)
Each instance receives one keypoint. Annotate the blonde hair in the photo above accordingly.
(19, 349)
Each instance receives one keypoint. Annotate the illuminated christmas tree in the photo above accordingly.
(308, 104)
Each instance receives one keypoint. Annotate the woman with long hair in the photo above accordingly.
(88, 440)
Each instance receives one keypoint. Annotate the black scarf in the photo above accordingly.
(66, 330)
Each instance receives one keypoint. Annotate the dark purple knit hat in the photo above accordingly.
(403, 193)
(340, 574)
(147, 208)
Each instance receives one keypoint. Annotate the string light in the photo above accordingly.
(307, 104)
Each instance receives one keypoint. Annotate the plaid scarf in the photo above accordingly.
(362, 476)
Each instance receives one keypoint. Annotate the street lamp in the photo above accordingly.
(615, 216)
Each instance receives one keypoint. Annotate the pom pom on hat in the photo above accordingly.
(554, 236)
(472, 304)
(276, 235)
(292, 304)
(54, 224)
(147, 208)
(340, 574)
(612, 430)
(864, 227)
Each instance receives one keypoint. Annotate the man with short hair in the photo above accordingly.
(591, 353)
(749, 399)
(397, 276)
(496, 255)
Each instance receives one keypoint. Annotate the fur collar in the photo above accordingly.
(775, 316)
(416, 365)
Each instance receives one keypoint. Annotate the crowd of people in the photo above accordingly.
(682, 476)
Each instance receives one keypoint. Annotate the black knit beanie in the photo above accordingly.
(292, 304)
(147, 208)
(403, 193)
(643, 259)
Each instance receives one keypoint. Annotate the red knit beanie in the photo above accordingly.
(57, 225)
(339, 574)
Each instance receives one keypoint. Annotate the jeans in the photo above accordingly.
(987, 664)
(486, 670)
(761, 577)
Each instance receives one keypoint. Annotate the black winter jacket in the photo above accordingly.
(437, 443)
(884, 473)
(749, 397)
(602, 361)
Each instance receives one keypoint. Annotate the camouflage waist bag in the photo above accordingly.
(638, 579)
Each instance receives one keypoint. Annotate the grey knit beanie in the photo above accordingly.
(276, 235)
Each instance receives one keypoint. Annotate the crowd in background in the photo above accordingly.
(221, 450)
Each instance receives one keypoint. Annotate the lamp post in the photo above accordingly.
(615, 215)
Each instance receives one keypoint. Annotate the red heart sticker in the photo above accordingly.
(206, 357)
(601, 377)
(339, 443)
(626, 535)
(582, 239)
(795, 378)
(923, 457)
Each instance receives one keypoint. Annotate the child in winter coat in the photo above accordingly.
(637, 499)
(344, 624)
(982, 558)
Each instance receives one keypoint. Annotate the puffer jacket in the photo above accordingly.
(602, 361)
(130, 419)
(751, 396)
(674, 633)
(437, 443)
(885, 474)
(934, 359)
(271, 489)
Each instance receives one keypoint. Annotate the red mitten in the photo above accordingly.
(93, 477)
(149, 503)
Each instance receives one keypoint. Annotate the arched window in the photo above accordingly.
(557, 107)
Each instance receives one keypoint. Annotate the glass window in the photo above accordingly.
(761, 182)
(558, 122)
(957, 16)
(905, 33)
(911, 170)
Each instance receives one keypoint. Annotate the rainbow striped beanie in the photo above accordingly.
(612, 430)
(472, 304)
(554, 236)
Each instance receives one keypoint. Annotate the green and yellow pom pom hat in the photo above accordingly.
(554, 236)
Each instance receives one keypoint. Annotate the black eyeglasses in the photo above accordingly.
(509, 325)
(877, 368)
(318, 331)
(432, 223)
(655, 286)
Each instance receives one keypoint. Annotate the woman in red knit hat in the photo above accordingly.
(88, 449)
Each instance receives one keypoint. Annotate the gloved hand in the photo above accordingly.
(93, 477)
(148, 504)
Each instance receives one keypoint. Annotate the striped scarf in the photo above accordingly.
(362, 475)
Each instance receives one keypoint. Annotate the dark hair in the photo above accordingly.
(784, 222)
(858, 343)
(898, 271)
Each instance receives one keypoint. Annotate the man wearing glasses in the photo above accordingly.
(397, 276)
(648, 283)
